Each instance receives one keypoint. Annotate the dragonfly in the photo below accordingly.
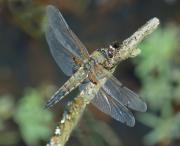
(108, 94)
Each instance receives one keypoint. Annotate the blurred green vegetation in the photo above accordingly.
(158, 67)
(33, 121)
(7, 106)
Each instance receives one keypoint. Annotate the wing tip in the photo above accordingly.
(144, 108)
(50, 7)
(140, 107)
(131, 123)
(143, 105)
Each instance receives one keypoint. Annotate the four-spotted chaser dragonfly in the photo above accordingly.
(109, 95)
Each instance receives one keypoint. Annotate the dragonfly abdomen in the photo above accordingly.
(73, 82)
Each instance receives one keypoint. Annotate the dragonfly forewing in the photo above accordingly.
(63, 43)
(62, 57)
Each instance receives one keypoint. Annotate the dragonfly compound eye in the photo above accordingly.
(110, 53)
(111, 50)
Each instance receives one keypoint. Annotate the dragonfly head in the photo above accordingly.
(110, 51)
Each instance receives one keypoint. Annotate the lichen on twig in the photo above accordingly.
(75, 108)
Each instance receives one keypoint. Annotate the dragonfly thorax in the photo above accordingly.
(89, 64)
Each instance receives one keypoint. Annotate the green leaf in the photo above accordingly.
(32, 119)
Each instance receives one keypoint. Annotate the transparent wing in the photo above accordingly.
(113, 107)
(64, 44)
(61, 56)
(115, 89)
